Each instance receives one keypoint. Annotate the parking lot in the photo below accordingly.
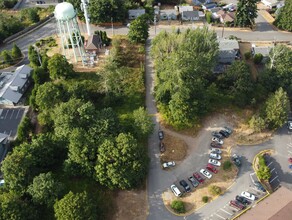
(10, 119)
(274, 180)
(228, 212)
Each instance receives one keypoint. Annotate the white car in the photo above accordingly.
(175, 190)
(248, 195)
(206, 173)
(217, 140)
(216, 151)
(214, 162)
(168, 164)
(215, 156)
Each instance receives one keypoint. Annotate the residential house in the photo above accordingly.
(3, 146)
(13, 85)
(135, 13)
(227, 17)
(190, 16)
(228, 50)
(270, 3)
(216, 12)
(93, 44)
(210, 5)
(182, 8)
(264, 50)
(168, 14)
(199, 2)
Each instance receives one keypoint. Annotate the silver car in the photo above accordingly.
(215, 156)
(206, 173)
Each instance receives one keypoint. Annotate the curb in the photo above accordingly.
(16, 63)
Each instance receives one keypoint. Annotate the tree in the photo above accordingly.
(277, 107)
(76, 206)
(31, 14)
(6, 57)
(143, 125)
(138, 32)
(106, 11)
(40, 75)
(258, 58)
(121, 162)
(45, 189)
(284, 19)
(257, 123)
(15, 52)
(33, 57)
(246, 13)
(264, 173)
(24, 129)
(59, 68)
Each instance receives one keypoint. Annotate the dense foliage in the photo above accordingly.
(246, 13)
(284, 19)
(138, 32)
(178, 206)
(6, 4)
(9, 25)
(183, 62)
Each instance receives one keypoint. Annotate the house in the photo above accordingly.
(216, 12)
(190, 16)
(168, 14)
(93, 43)
(13, 85)
(135, 13)
(264, 50)
(200, 2)
(270, 3)
(227, 17)
(3, 146)
(277, 206)
(182, 8)
(228, 50)
(210, 5)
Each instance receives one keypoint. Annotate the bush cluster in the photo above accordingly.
(227, 165)
(214, 190)
(178, 206)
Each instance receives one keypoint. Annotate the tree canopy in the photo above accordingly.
(246, 13)
(59, 68)
(138, 32)
(284, 19)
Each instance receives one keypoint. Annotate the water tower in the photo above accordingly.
(69, 31)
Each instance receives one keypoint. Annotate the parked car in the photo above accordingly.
(235, 158)
(206, 173)
(217, 134)
(168, 164)
(290, 166)
(160, 135)
(289, 125)
(216, 151)
(259, 186)
(290, 160)
(236, 204)
(217, 140)
(211, 168)
(224, 133)
(185, 185)
(215, 145)
(215, 156)
(248, 195)
(2, 182)
(229, 130)
(175, 190)
(161, 147)
(193, 181)
(198, 177)
(242, 200)
(214, 162)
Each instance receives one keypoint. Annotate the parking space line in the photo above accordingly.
(220, 216)
(226, 212)
(12, 114)
(272, 169)
(290, 152)
(270, 164)
(290, 145)
(18, 113)
(6, 114)
(273, 179)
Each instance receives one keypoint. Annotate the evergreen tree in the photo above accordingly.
(284, 19)
(246, 13)
(15, 52)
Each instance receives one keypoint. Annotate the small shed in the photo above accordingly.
(264, 50)
(135, 13)
(93, 43)
(168, 14)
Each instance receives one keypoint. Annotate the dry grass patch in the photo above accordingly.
(176, 149)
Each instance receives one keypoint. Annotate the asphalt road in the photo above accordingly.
(9, 120)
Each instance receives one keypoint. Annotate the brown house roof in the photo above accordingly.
(228, 17)
(278, 206)
(93, 42)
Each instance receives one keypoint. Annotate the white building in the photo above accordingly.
(270, 3)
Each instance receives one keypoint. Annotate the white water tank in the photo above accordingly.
(64, 11)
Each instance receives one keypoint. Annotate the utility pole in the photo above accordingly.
(84, 6)
(113, 33)
(37, 50)
(223, 29)
(155, 24)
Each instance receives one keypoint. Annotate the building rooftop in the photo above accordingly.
(278, 206)
(226, 44)
(93, 42)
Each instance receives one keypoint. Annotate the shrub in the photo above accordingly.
(178, 206)
(258, 58)
(247, 55)
(214, 190)
(263, 172)
(205, 199)
(209, 17)
(227, 165)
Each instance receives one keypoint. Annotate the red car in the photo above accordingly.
(236, 204)
(290, 160)
(215, 145)
(198, 177)
(211, 168)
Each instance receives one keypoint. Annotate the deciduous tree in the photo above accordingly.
(246, 13)
(59, 68)
(138, 32)
(284, 19)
